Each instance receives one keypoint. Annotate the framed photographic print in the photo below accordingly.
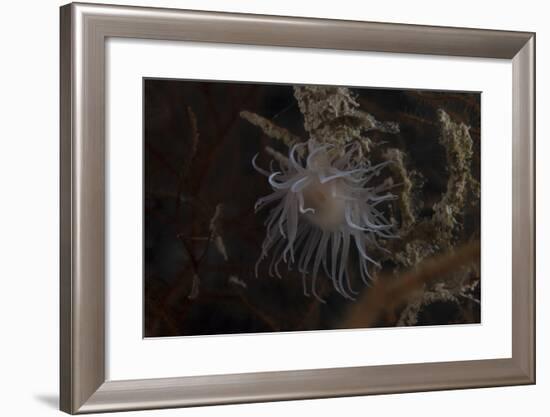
(260, 208)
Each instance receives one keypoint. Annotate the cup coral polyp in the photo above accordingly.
(324, 207)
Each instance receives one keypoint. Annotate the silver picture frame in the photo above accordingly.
(83, 34)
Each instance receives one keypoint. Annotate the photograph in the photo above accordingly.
(279, 208)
